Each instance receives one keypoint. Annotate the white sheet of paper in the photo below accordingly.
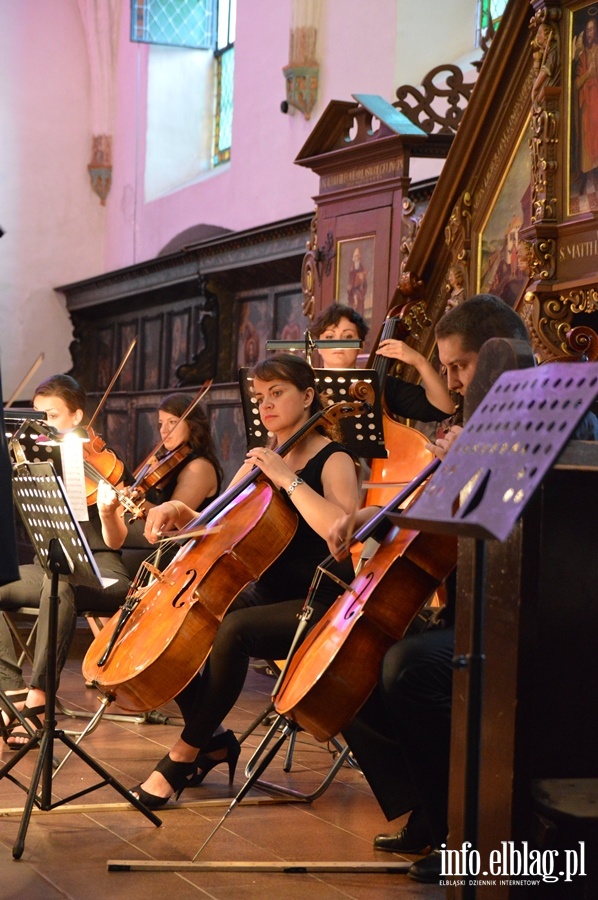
(73, 475)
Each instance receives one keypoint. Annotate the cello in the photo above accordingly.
(322, 689)
(406, 447)
(157, 643)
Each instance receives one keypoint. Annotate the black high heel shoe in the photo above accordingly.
(204, 763)
(179, 775)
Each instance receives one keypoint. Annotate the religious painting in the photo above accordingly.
(228, 430)
(290, 321)
(355, 275)
(499, 270)
(255, 328)
(583, 105)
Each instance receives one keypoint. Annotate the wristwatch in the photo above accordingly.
(294, 484)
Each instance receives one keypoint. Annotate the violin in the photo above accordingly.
(158, 471)
(99, 463)
(322, 689)
(149, 651)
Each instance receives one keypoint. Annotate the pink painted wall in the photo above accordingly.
(54, 223)
(56, 230)
(261, 184)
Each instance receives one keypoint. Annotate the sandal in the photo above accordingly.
(177, 774)
(16, 697)
(32, 714)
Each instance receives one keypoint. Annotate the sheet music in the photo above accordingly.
(73, 476)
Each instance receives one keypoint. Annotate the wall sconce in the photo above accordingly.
(100, 167)
(302, 72)
(302, 88)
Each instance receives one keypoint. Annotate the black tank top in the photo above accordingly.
(290, 576)
(157, 496)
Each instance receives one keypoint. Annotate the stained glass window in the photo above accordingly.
(178, 23)
(490, 9)
(201, 25)
(224, 81)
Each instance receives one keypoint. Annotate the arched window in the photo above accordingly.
(175, 23)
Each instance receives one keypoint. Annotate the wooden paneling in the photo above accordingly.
(151, 362)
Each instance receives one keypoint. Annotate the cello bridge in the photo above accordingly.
(158, 575)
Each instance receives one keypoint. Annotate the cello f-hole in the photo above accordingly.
(352, 609)
(193, 575)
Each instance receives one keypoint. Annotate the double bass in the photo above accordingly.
(149, 651)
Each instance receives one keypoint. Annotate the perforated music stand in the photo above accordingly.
(62, 550)
(363, 435)
(485, 483)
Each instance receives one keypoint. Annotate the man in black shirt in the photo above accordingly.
(401, 737)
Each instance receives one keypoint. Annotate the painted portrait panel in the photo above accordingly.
(255, 328)
(583, 105)
(290, 321)
(355, 275)
(228, 430)
(498, 259)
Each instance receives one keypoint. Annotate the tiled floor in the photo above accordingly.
(67, 850)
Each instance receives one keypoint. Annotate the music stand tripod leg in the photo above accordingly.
(59, 565)
(261, 766)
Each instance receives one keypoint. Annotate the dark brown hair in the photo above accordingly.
(480, 318)
(295, 370)
(200, 435)
(332, 316)
(66, 388)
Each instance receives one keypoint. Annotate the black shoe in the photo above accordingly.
(204, 762)
(427, 870)
(179, 775)
(412, 838)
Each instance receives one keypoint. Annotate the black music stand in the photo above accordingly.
(62, 550)
(363, 435)
(488, 478)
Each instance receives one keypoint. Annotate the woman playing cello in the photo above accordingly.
(318, 479)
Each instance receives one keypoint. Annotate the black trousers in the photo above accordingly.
(250, 629)
(401, 736)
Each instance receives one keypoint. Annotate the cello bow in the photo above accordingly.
(163, 634)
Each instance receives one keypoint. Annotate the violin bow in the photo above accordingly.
(24, 381)
(112, 382)
(139, 471)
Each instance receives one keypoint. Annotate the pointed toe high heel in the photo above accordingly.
(204, 762)
(179, 775)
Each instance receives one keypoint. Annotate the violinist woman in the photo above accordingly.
(62, 399)
(317, 478)
(188, 471)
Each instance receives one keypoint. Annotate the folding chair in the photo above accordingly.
(289, 731)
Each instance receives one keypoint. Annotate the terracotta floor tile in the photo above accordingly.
(66, 851)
